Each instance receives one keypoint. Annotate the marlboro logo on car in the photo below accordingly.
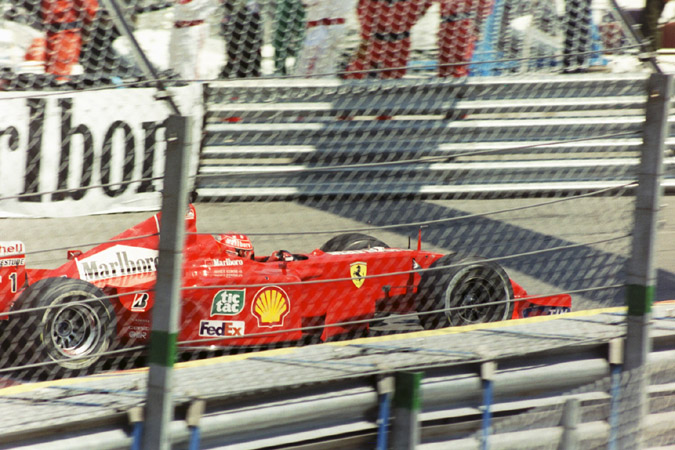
(118, 261)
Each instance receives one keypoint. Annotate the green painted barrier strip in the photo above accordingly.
(639, 299)
(407, 394)
(163, 348)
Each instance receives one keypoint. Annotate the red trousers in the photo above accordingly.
(458, 32)
(385, 36)
(62, 51)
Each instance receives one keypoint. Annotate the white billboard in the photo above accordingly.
(65, 154)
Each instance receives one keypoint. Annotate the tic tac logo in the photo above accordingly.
(270, 306)
(213, 328)
(358, 272)
(228, 302)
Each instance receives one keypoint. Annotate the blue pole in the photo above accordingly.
(136, 421)
(137, 436)
(194, 414)
(487, 374)
(487, 413)
(194, 438)
(615, 391)
(383, 421)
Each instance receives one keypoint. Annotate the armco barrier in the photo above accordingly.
(334, 394)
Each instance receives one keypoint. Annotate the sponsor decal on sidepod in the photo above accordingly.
(216, 328)
(228, 302)
(270, 305)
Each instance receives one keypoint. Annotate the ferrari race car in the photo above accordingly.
(103, 299)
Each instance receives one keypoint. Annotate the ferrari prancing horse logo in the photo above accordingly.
(358, 272)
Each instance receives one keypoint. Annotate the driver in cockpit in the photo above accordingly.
(237, 245)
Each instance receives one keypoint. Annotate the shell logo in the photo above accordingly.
(270, 306)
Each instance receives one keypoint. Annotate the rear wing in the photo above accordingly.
(12, 269)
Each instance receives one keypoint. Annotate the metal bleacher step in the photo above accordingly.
(286, 138)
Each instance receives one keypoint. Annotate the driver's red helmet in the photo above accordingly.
(237, 245)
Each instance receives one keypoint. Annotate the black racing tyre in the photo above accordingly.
(473, 291)
(351, 241)
(71, 326)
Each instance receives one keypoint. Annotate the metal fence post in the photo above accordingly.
(405, 433)
(641, 273)
(165, 314)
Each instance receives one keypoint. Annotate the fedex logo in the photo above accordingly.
(213, 328)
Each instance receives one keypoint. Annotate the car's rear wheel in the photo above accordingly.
(351, 241)
(70, 325)
(469, 291)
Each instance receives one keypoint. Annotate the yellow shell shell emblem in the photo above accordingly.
(270, 306)
(358, 272)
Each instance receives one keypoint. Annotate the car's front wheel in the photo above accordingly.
(462, 291)
(70, 324)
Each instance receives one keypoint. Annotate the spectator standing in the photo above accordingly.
(289, 31)
(63, 21)
(98, 57)
(649, 21)
(326, 29)
(458, 32)
(188, 37)
(385, 37)
(241, 28)
(577, 44)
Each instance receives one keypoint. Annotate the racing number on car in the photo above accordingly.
(13, 284)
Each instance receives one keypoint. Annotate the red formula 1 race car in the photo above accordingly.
(103, 298)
